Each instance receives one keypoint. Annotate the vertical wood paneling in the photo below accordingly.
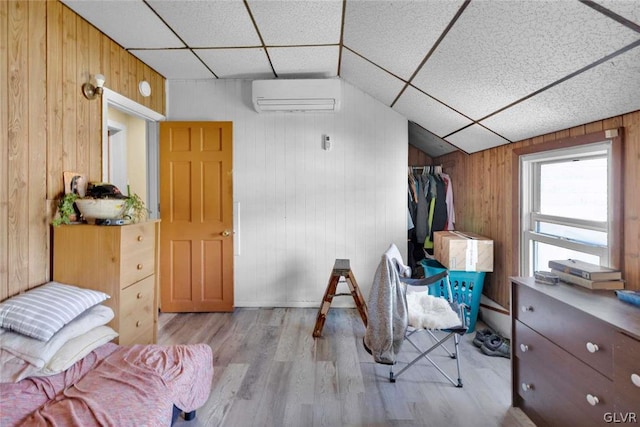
(69, 92)
(38, 243)
(94, 131)
(631, 162)
(489, 209)
(18, 166)
(4, 154)
(46, 125)
(55, 111)
(82, 74)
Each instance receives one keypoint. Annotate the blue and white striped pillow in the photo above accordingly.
(41, 312)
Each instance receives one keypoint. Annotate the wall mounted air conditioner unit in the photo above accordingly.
(313, 95)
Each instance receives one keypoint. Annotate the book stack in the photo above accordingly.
(590, 276)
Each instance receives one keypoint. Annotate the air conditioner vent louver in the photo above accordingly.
(314, 95)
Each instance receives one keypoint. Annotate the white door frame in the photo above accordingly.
(128, 106)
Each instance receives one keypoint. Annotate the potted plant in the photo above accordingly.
(66, 210)
(135, 209)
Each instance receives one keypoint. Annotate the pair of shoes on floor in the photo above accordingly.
(491, 343)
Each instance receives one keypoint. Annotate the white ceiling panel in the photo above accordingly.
(131, 24)
(629, 9)
(298, 22)
(370, 78)
(174, 64)
(610, 89)
(475, 138)
(237, 63)
(499, 52)
(209, 23)
(428, 113)
(396, 35)
(305, 62)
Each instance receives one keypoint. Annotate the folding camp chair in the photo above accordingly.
(437, 284)
(389, 322)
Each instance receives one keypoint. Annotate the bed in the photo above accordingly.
(59, 366)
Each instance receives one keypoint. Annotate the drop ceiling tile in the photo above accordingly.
(629, 9)
(298, 22)
(174, 64)
(369, 78)
(209, 23)
(396, 35)
(428, 113)
(305, 62)
(476, 138)
(131, 24)
(237, 63)
(500, 51)
(610, 89)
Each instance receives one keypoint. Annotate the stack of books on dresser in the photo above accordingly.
(591, 276)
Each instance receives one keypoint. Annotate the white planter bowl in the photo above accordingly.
(101, 208)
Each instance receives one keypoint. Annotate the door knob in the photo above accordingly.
(226, 233)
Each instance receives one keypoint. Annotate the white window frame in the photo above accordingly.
(530, 172)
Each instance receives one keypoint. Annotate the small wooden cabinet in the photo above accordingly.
(121, 261)
(575, 354)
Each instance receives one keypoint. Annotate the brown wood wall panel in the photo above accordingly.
(484, 200)
(418, 157)
(46, 53)
(38, 244)
(18, 132)
(4, 158)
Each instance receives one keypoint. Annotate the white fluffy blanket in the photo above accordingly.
(429, 312)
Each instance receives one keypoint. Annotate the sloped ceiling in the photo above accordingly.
(474, 74)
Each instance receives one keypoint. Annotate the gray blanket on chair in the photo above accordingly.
(387, 307)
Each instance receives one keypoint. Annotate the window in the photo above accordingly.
(567, 206)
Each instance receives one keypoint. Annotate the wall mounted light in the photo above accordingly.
(90, 91)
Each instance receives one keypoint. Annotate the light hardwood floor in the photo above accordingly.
(270, 371)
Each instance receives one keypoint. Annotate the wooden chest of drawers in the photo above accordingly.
(576, 355)
(120, 261)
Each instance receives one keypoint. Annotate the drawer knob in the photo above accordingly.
(139, 295)
(592, 348)
(635, 379)
(138, 323)
(139, 266)
(524, 348)
(593, 400)
(526, 308)
(526, 387)
(140, 238)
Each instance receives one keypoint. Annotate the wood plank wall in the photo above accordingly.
(47, 126)
(484, 198)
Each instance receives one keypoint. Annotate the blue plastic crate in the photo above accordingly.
(465, 285)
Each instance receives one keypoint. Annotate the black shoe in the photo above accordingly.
(495, 345)
(481, 336)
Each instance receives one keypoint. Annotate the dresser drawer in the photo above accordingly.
(566, 390)
(580, 334)
(137, 253)
(627, 374)
(137, 311)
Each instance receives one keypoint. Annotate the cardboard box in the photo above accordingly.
(463, 251)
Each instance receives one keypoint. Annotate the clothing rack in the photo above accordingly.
(431, 169)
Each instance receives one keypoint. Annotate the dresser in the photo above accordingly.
(575, 355)
(121, 261)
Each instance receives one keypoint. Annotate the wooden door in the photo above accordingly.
(196, 209)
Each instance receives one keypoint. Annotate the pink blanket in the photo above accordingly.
(114, 386)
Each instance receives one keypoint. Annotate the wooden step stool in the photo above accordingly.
(341, 268)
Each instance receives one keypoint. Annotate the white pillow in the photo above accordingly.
(39, 353)
(41, 312)
(77, 348)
